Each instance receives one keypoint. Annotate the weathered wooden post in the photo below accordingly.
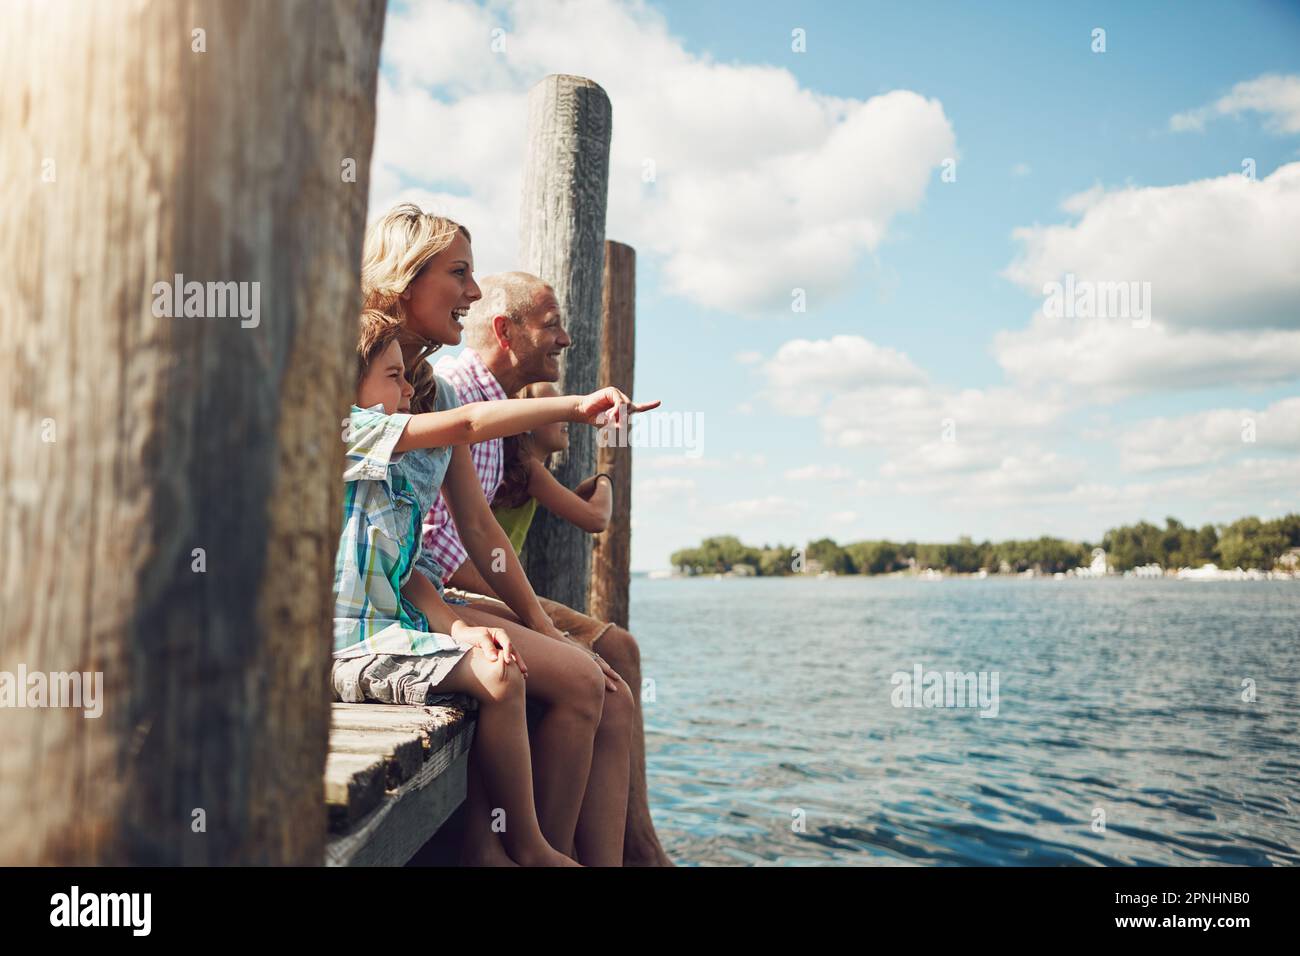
(562, 239)
(612, 553)
(169, 483)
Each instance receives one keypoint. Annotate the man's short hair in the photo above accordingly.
(512, 294)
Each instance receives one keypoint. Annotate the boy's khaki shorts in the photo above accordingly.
(581, 627)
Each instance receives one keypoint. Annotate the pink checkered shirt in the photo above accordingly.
(473, 383)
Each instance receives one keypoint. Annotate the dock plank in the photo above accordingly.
(403, 752)
(354, 785)
(420, 754)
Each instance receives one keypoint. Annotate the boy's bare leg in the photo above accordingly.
(505, 761)
(599, 840)
(641, 845)
(572, 689)
(479, 845)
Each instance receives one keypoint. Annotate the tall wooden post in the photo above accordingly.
(612, 554)
(170, 484)
(562, 239)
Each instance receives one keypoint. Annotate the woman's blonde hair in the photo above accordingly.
(398, 245)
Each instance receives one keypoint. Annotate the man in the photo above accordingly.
(514, 335)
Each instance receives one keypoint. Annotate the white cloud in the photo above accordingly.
(1020, 169)
(818, 473)
(804, 371)
(675, 462)
(1111, 359)
(648, 492)
(964, 444)
(1206, 437)
(1276, 96)
(1219, 253)
(770, 506)
(1222, 257)
(760, 186)
(748, 357)
(868, 394)
(981, 475)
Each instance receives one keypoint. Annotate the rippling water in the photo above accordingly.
(773, 699)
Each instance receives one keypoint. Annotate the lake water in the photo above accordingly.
(772, 738)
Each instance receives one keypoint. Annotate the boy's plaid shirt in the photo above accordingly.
(473, 383)
(378, 547)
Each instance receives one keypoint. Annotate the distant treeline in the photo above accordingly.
(1246, 543)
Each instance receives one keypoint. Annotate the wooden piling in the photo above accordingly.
(562, 239)
(612, 552)
(170, 485)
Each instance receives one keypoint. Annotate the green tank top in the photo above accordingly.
(516, 522)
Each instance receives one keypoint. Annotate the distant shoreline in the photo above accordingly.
(1180, 574)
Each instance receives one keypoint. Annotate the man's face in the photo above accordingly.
(539, 340)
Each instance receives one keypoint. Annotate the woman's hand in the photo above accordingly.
(608, 406)
(611, 676)
(494, 642)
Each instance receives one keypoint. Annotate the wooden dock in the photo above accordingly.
(393, 777)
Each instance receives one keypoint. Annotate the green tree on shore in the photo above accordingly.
(1248, 543)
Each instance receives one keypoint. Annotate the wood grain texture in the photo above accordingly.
(403, 752)
(611, 555)
(176, 433)
(409, 817)
(562, 239)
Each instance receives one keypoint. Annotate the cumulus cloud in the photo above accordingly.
(1219, 253)
(985, 475)
(1111, 359)
(803, 372)
(818, 473)
(1206, 437)
(769, 506)
(964, 444)
(658, 491)
(1222, 257)
(1276, 97)
(868, 394)
(746, 184)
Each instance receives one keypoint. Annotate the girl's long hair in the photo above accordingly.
(398, 245)
(516, 452)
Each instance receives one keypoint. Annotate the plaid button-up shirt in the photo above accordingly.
(378, 547)
(473, 383)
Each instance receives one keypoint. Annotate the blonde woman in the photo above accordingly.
(419, 268)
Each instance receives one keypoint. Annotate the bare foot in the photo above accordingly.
(545, 857)
(646, 852)
(490, 853)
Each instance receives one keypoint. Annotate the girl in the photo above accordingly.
(528, 482)
(418, 268)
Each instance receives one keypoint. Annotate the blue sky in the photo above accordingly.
(921, 394)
